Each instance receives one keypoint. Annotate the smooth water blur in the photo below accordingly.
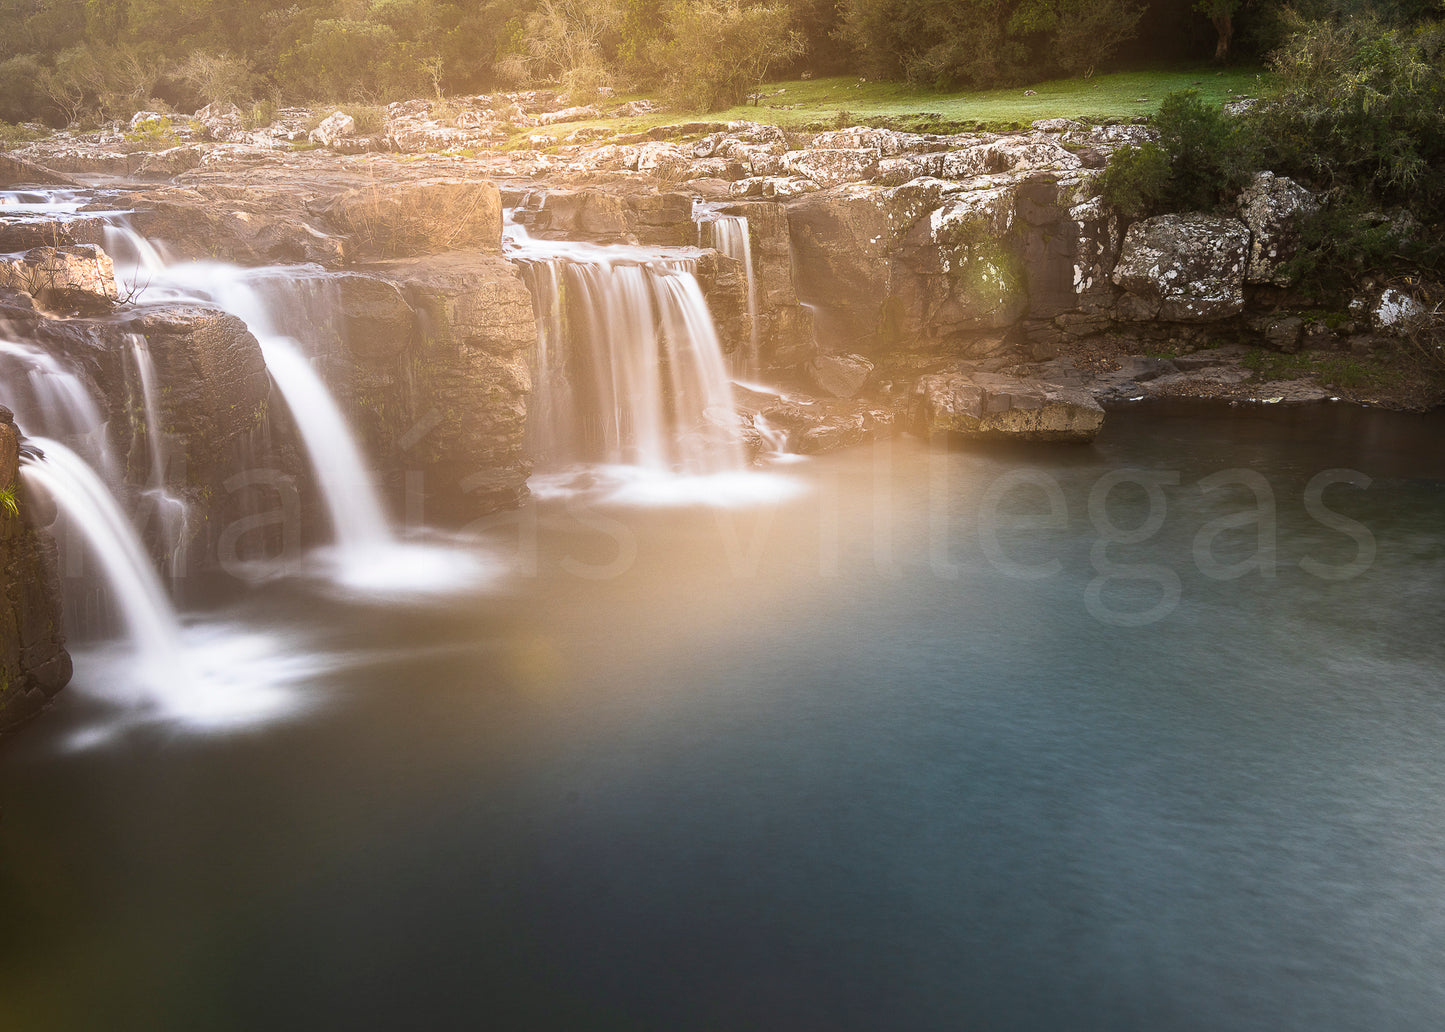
(1116, 737)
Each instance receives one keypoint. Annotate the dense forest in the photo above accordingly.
(67, 61)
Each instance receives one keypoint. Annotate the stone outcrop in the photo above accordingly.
(33, 662)
(72, 277)
(16, 171)
(1183, 268)
(403, 219)
(333, 128)
(985, 406)
(436, 372)
(1273, 207)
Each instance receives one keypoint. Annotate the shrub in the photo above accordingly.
(217, 78)
(153, 134)
(1211, 153)
(1137, 180)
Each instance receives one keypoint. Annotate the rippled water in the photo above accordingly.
(915, 740)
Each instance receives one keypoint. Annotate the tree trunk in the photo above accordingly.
(1224, 26)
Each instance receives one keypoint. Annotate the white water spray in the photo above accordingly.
(88, 503)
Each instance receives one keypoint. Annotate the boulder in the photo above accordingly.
(988, 406)
(841, 376)
(1273, 208)
(832, 166)
(61, 279)
(333, 129)
(1183, 268)
(1394, 310)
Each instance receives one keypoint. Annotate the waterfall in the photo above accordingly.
(137, 261)
(351, 499)
(171, 512)
(729, 235)
(85, 499)
(49, 399)
(629, 369)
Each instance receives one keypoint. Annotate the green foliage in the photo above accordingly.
(352, 59)
(9, 506)
(1361, 105)
(370, 118)
(1358, 112)
(261, 114)
(217, 78)
(12, 135)
(719, 50)
(1347, 239)
(153, 134)
(22, 95)
(1137, 180)
(985, 42)
(1211, 154)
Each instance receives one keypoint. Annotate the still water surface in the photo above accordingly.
(913, 740)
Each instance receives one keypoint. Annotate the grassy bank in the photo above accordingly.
(825, 103)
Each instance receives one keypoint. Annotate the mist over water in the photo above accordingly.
(1142, 735)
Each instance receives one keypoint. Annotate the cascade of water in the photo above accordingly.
(49, 399)
(88, 503)
(729, 235)
(352, 503)
(171, 512)
(630, 370)
(137, 261)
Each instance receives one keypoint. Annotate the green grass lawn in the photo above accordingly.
(824, 103)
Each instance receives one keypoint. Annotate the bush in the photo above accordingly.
(1211, 154)
(217, 78)
(1358, 112)
(1137, 180)
(1360, 106)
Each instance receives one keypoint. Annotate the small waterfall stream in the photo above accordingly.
(729, 235)
(347, 489)
(629, 368)
(49, 399)
(90, 505)
(171, 511)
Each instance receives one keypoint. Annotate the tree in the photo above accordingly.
(1221, 15)
(570, 41)
(720, 50)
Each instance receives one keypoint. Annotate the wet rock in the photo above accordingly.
(1183, 268)
(438, 377)
(398, 219)
(841, 376)
(33, 662)
(986, 405)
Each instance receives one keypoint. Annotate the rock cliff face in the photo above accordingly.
(33, 662)
(437, 377)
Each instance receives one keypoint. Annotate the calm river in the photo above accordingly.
(1144, 735)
